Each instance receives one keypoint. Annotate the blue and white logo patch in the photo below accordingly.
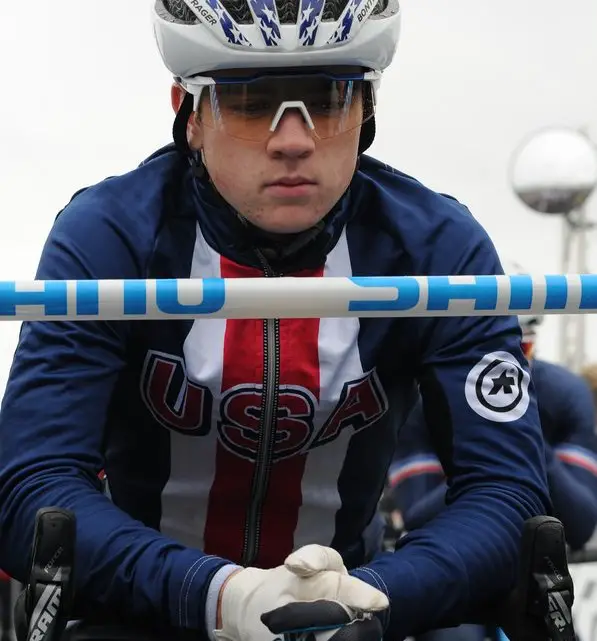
(497, 388)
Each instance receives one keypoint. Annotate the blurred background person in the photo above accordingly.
(589, 373)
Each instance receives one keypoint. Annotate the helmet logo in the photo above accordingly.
(364, 12)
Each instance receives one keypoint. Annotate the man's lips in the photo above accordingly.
(291, 187)
(290, 181)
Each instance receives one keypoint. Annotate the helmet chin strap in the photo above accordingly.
(179, 128)
(367, 136)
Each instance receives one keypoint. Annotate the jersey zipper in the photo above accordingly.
(267, 430)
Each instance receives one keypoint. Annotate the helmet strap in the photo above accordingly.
(367, 135)
(179, 129)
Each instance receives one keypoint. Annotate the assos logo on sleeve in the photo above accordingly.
(497, 388)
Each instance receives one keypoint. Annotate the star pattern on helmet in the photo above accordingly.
(267, 18)
(343, 31)
(227, 24)
(310, 13)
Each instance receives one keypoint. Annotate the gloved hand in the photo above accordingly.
(311, 593)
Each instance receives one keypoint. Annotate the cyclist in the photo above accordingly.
(245, 458)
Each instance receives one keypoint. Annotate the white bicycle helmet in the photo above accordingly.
(196, 37)
(199, 36)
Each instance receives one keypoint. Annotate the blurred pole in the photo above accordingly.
(583, 268)
(574, 261)
(566, 319)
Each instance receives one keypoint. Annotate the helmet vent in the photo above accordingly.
(288, 11)
(238, 9)
(179, 10)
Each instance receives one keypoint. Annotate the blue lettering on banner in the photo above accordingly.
(407, 294)
(135, 297)
(521, 292)
(557, 292)
(588, 292)
(87, 297)
(213, 291)
(53, 298)
(484, 291)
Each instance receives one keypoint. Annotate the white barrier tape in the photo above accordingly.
(298, 297)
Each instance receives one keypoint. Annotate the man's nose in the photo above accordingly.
(292, 136)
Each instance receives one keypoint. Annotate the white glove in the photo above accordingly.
(316, 589)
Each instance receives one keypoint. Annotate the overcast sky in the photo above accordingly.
(85, 96)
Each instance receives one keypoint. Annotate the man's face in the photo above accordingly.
(284, 183)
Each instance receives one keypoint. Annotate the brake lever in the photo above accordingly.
(50, 589)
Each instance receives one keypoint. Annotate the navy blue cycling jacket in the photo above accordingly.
(242, 440)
